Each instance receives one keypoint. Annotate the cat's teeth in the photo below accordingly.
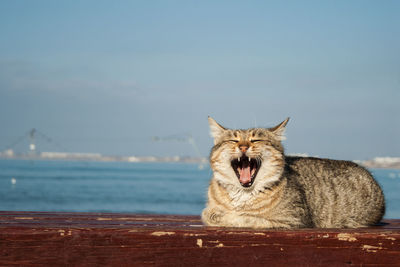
(239, 159)
(249, 159)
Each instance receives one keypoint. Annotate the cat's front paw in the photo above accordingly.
(212, 216)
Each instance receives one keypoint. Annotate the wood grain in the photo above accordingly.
(101, 239)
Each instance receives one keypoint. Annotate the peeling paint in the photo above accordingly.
(247, 233)
(346, 237)
(323, 236)
(369, 248)
(162, 233)
(199, 242)
(390, 238)
(104, 219)
(23, 218)
(191, 234)
(220, 245)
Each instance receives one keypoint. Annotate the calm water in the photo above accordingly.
(163, 188)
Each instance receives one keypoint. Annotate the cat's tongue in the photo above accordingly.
(245, 176)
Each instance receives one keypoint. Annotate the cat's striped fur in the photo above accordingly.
(255, 185)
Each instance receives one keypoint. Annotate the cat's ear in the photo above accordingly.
(216, 130)
(279, 130)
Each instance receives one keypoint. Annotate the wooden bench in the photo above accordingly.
(100, 239)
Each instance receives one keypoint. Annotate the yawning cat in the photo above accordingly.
(255, 185)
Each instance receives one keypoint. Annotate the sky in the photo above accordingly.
(107, 76)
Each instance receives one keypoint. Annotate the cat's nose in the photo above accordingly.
(243, 148)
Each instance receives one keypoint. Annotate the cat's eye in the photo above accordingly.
(236, 141)
(256, 140)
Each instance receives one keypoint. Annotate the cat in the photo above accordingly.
(255, 185)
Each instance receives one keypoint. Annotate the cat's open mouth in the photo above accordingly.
(246, 170)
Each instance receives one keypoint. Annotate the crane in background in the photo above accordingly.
(33, 135)
(33, 142)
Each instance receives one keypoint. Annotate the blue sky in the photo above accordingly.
(106, 76)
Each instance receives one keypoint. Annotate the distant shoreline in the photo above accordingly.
(55, 156)
(377, 162)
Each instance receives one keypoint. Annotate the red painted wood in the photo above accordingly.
(89, 239)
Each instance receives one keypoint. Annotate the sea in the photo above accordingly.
(123, 187)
